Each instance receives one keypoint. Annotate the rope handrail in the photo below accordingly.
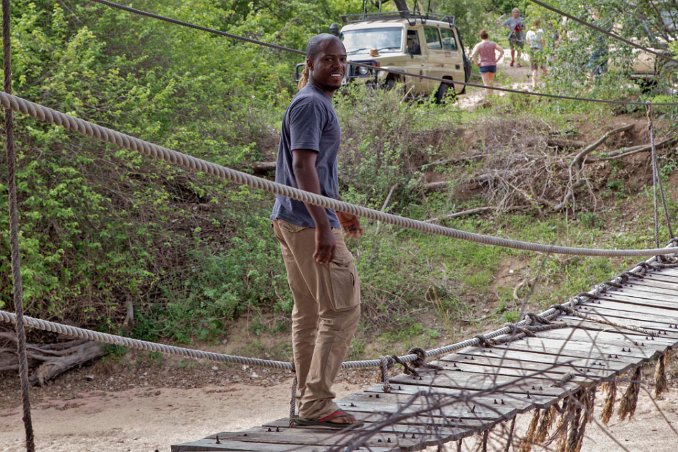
(369, 66)
(603, 31)
(195, 164)
(510, 329)
(13, 210)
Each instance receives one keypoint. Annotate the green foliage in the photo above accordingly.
(103, 227)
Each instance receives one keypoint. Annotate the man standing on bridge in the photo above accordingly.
(320, 268)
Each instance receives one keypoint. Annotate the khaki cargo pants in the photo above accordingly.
(325, 315)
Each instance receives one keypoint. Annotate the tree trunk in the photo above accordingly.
(401, 5)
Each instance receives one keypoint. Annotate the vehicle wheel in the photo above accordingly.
(440, 94)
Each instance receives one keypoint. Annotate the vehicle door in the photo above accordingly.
(416, 60)
(454, 56)
(436, 60)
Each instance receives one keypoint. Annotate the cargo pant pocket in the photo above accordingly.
(345, 286)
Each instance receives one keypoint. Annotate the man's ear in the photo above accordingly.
(309, 64)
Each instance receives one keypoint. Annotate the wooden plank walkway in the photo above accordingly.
(480, 387)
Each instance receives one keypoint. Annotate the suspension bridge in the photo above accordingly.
(550, 363)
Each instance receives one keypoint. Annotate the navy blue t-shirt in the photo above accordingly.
(310, 123)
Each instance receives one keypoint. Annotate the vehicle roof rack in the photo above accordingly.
(411, 16)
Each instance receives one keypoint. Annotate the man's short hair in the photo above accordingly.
(317, 42)
(515, 10)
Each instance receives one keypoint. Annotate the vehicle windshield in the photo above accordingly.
(385, 40)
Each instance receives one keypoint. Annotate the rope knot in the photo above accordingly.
(484, 342)
(421, 359)
(406, 368)
(587, 295)
(616, 285)
(535, 319)
(421, 356)
(562, 308)
(385, 363)
(515, 330)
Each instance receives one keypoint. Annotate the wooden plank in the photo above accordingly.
(426, 395)
(557, 347)
(534, 356)
(653, 283)
(418, 427)
(503, 384)
(659, 277)
(606, 336)
(629, 311)
(501, 370)
(670, 335)
(445, 408)
(539, 371)
(611, 315)
(638, 286)
(210, 445)
(645, 296)
(315, 437)
(656, 296)
(619, 313)
(639, 302)
(646, 349)
(532, 361)
(519, 402)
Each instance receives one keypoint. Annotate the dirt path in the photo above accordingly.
(153, 418)
(519, 78)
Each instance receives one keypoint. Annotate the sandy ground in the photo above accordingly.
(150, 419)
(145, 419)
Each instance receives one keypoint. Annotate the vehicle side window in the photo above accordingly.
(432, 38)
(449, 41)
(413, 46)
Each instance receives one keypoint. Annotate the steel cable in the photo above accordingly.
(657, 182)
(602, 30)
(369, 66)
(195, 164)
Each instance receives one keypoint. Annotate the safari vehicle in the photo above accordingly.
(405, 41)
(427, 45)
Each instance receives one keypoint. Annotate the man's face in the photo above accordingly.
(516, 13)
(328, 66)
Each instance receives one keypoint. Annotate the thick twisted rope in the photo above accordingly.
(194, 164)
(527, 323)
(14, 232)
(137, 344)
(369, 66)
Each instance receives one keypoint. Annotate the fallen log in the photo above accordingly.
(47, 361)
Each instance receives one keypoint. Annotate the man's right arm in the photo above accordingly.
(306, 175)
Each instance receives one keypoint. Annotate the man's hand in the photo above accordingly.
(324, 245)
(350, 224)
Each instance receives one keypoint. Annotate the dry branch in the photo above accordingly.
(625, 152)
(578, 161)
(463, 213)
